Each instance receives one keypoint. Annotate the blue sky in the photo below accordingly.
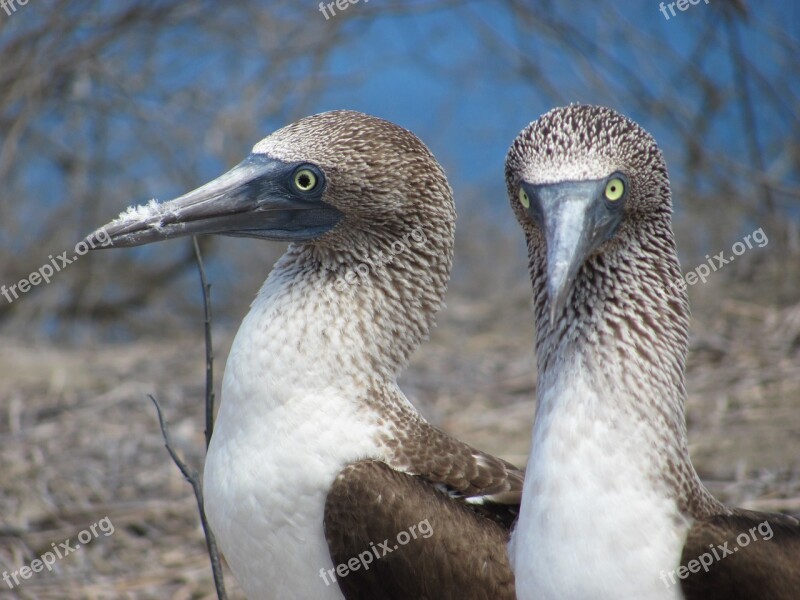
(399, 61)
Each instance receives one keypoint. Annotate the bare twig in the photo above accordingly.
(209, 348)
(193, 478)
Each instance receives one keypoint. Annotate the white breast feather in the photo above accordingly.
(287, 425)
(591, 523)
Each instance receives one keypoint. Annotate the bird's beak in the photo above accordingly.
(254, 199)
(576, 220)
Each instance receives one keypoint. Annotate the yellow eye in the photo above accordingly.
(305, 180)
(523, 198)
(614, 189)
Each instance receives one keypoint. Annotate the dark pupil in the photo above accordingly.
(304, 181)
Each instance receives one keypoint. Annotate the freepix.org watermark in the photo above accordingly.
(376, 552)
(701, 272)
(62, 550)
(10, 6)
(362, 269)
(46, 271)
(718, 553)
(330, 7)
(682, 6)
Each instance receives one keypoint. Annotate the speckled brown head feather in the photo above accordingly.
(612, 503)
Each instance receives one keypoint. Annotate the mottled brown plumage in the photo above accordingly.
(612, 322)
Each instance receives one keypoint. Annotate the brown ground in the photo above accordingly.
(79, 440)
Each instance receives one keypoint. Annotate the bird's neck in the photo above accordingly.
(609, 467)
(340, 324)
(309, 387)
(612, 365)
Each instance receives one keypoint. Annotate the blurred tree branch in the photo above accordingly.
(101, 104)
(92, 97)
(685, 100)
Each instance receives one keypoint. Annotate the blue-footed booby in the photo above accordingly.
(612, 507)
(322, 479)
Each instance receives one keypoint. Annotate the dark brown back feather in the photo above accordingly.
(465, 557)
(767, 569)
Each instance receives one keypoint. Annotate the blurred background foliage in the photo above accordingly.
(103, 105)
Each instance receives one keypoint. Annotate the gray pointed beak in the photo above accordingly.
(576, 220)
(254, 199)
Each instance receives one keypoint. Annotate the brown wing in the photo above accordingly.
(489, 484)
(750, 556)
(450, 550)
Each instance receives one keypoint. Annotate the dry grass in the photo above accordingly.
(80, 441)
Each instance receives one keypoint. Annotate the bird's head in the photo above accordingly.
(339, 181)
(581, 179)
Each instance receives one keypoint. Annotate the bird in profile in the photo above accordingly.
(612, 507)
(322, 480)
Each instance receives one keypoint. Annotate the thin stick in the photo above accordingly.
(192, 476)
(209, 348)
(194, 479)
